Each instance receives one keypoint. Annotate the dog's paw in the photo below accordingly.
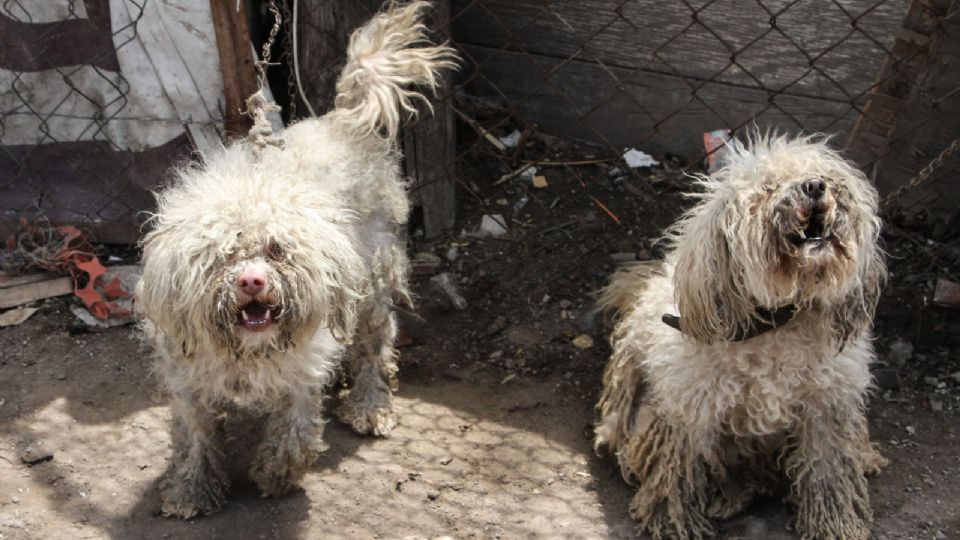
(834, 509)
(187, 499)
(284, 457)
(666, 518)
(372, 420)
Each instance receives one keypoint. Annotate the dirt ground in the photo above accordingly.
(496, 400)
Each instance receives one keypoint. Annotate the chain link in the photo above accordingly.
(924, 173)
(264, 61)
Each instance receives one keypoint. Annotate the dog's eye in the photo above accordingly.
(275, 251)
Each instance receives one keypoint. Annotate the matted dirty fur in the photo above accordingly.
(702, 423)
(261, 274)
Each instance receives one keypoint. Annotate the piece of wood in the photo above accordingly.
(7, 283)
(870, 137)
(428, 142)
(927, 121)
(30, 292)
(236, 63)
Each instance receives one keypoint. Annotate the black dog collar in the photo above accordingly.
(768, 319)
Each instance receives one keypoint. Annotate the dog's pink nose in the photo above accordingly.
(252, 281)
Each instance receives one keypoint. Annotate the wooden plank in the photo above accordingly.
(870, 136)
(7, 283)
(927, 123)
(236, 63)
(617, 107)
(324, 27)
(428, 144)
(24, 294)
(728, 40)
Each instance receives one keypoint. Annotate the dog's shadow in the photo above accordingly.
(245, 508)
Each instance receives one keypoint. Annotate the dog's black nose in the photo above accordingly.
(815, 188)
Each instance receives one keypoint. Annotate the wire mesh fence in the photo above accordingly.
(95, 106)
(557, 86)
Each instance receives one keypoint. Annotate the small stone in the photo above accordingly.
(540, 181)
(446, 461)
(900, 352)
(34, 455)
(433, 495)
(583, 341)
(939, 536)
(912, 430)
(932, 381)
(492, 225)
(887, 378)
(15, 499)
(936, 405)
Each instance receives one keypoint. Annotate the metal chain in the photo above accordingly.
(288, 53)
(258, 107)
(264, 61)
(924, 173)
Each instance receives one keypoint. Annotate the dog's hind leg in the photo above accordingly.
(372, 358)
(826, 469)
(196, 483)
(292, 441)
(368, 408)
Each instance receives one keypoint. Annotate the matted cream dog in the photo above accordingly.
(741, 363)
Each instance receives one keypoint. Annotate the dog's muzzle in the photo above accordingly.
(814, 216)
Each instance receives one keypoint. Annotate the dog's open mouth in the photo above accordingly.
(255, 316)
(815, 232)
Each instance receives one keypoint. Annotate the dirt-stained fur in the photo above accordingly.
(702, 421)
(260, 275)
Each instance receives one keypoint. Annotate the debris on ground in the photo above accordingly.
(511, 140)
(425, 263)
(947, 293)
(491, 225)
(108, 299)
(65, 249)
(16, 315)
(637, 158)
(23, 290)
(540, 181)
(583, 341)
(715, 143)
(900, 351)
(445, 285)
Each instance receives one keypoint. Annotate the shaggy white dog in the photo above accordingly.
(740, 364)
(260, 274)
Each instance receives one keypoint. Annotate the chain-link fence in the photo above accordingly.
(567, 86)
(95, 105)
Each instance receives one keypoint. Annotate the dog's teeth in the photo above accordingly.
(243, 313)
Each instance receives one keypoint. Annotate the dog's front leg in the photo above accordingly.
(373, 369)
(661, 457)
(827, 475)
(292, 441)
(196, 483)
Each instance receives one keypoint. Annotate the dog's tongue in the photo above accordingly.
(255, 316)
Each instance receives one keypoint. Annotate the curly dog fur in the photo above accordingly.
(260, 275)
(702, 420)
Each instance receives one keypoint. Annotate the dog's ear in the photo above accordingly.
(707, 279)
(855, 313)
(343, 280)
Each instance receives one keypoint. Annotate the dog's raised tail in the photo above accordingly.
(385, 57)
(620, 296)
